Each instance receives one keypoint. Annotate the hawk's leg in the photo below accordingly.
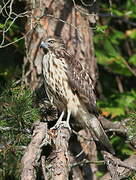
(59, 122)
(68, 119)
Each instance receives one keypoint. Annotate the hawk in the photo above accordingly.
(70, 87)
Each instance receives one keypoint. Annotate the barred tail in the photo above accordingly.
(99, 132)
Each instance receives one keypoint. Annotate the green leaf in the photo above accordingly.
(132, 59)
(117, 12)
(116, 36)
(113, 111)
(110, 50)
(118, 66)
(127, 151)
(101, 28)
(1, 26)
(114, 64)
(131, 33)
(125, 100)
(117, 104)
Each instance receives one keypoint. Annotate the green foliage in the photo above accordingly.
(16, 106)
(109, 56)
(118, 104)
(132, 60)
(122, 147)
(132, 176)
(17, 114)
(101, 28)
(115, 50)
(131, 34)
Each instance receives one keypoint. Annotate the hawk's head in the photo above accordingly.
(52, 43)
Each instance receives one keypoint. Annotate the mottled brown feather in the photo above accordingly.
(80, 81)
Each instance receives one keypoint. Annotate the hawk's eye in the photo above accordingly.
(51, 41)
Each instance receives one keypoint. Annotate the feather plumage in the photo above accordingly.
(70, 86)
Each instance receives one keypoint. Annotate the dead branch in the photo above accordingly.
(85, 161)
(119, 84)
(111, 165)
(89, 148)
(75, 172)
(7, 11)
(43, 167)
(61, 162)
(118, 127)
(130, 163)
(117, 168)
(33, 152)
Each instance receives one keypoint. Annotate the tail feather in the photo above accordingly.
(99, 132)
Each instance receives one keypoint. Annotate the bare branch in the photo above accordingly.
(85, 161)
(60, 164)
(118, 169)
(111, 165)
(43, 167)
(129, 67)
(33, 152)
(11, 17)
(118, 127)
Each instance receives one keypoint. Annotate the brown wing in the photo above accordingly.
(82, 84)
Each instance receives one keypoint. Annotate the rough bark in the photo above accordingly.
(61, 162)
(118, 169)
(72, 23)
(58, 163)
(61, 18)
(33, 152)
(89, 148)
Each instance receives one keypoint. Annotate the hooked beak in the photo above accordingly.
(44, 45)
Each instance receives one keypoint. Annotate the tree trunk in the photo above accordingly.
(61, 18)
(72, 22)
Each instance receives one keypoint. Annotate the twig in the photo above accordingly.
(119, 127)
(79, 154)
(119, 84)
(85, 161)
(43, 167)
(3, 46)
(84, 4)
(80, 135)
(128, 66)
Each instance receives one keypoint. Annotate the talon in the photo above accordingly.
(59, 122)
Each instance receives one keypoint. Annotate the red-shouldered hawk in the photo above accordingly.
(69, 86)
